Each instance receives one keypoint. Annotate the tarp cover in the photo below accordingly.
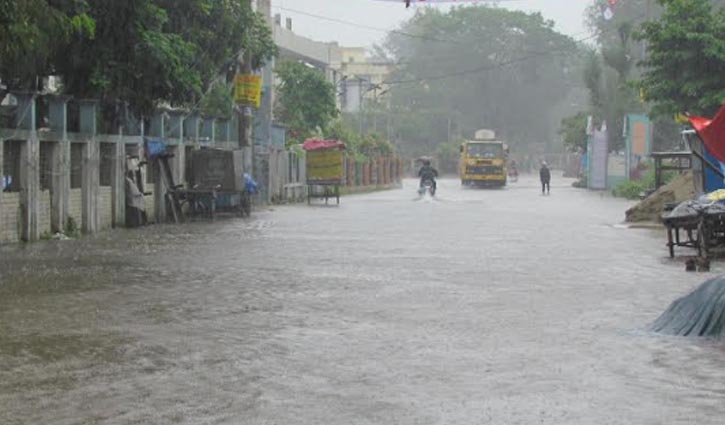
(714, 196)
(700, 313)
(695, 208)
(712, 133)
(314, 144)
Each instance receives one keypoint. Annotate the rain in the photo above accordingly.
(362, 212)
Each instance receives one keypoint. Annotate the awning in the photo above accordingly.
(315, 144)
(712, 133)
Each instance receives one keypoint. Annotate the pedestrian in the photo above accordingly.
(545, 176)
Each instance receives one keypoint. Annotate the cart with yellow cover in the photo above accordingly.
(325, 169)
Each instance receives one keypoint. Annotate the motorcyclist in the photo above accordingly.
(513, 168)
(427, 172)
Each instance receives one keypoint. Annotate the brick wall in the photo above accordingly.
(75, 206)
(105, 207)
(9, 216)
(44, 207)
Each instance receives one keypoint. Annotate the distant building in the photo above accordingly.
(362, 79)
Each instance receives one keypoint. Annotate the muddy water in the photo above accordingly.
(499, 306)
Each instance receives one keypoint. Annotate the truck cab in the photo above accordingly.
(483, 160)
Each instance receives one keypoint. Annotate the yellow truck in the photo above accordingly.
(483, 160)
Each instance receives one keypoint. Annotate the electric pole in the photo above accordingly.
(245, 111)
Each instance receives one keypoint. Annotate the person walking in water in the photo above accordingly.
(545, 176)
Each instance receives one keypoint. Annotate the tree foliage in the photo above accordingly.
(610, 67)
(305, 100)
(686, 62)
(480, 67)
(32, 32)
(360, 146)
(573, 131)
(142, 52)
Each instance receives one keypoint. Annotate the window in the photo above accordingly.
(11, 165)
(485, 150)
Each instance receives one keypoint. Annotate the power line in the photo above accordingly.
(357, 25)
(499, 65)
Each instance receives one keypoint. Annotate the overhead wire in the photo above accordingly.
(497, 65)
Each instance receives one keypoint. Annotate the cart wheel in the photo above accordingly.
(246, 207)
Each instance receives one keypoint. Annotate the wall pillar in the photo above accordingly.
(176, 132)
(91, 164)
(60, 193)
(29, 166)
(118, 182)
(158, 130)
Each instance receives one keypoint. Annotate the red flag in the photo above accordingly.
(712, 133)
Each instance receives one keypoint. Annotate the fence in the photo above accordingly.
(57, 170)
(282, 174)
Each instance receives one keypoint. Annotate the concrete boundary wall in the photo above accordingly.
(285, 178)
(64, 180)
(78, 181)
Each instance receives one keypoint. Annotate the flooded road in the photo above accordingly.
(495, 306)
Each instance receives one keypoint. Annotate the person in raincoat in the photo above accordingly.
(427, 172)
(545, 177)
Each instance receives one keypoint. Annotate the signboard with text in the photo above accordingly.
(248, 90)
(325, 166)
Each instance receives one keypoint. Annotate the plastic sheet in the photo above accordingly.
(695, 208)
(700, 313)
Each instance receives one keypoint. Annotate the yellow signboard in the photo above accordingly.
(325, 165)
(248, 89)
(681, 118)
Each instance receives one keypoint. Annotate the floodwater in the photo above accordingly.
(478, 307)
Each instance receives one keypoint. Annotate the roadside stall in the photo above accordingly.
(325, 169)
(217, 185)
(702, 220)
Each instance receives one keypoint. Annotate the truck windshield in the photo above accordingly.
(485, 150)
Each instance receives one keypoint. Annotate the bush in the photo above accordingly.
(630, 189)
(633, 189)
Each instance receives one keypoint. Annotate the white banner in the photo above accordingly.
(598, 160)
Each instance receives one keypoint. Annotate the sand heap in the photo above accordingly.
(650, 209)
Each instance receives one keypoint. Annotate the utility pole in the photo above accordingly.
(360, 108)
(245, 111)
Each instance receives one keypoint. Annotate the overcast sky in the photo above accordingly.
(568, 15)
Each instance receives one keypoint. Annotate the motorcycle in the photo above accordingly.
(427, 186)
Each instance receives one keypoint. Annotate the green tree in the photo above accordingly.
(141, 52)
(305, 100)
(218, 101)
(448, 155)
(146, 52)
(573, 132)
(686, 61)
(31, 32)
(611, 66)
(479, 67)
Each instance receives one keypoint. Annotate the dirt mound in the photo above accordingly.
(650, 209)
(700, 313)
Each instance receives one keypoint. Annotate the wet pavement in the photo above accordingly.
(483, 306)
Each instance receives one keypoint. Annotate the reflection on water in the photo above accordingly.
(484, 306)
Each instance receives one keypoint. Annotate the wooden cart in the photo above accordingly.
(325, 169)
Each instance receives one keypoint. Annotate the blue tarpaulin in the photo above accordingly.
(154, 147)
(713, 181)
